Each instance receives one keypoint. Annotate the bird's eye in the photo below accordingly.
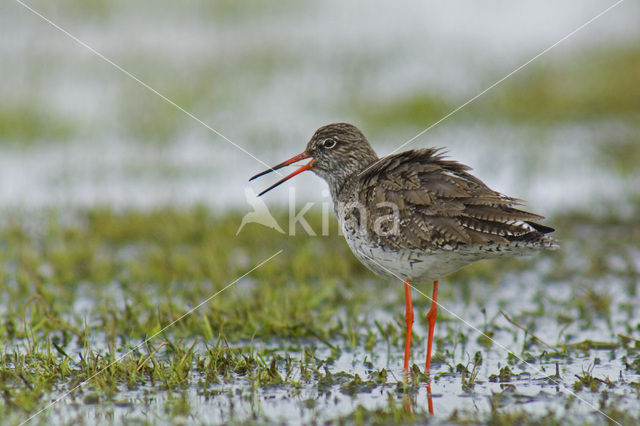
(329, 143)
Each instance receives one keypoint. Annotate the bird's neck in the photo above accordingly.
(340, 180)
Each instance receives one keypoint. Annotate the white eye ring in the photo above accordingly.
(329, 143)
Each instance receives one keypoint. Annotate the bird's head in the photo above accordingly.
(337, 151)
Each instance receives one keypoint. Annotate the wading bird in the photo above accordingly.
(415, 215)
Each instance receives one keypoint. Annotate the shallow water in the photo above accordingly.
(467, 313)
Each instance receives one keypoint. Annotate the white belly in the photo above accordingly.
(421, 266)
(427, 265)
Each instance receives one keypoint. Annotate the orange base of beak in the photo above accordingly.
(292, 160)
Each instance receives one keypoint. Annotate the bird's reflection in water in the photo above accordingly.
(408, 401)
(429, 397)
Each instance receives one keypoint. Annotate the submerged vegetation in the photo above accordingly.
(101, 307)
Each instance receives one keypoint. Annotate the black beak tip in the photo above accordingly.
(273, 169)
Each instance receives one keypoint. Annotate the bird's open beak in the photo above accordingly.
(291, 160)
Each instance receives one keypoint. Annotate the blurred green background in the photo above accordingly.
(75, 131)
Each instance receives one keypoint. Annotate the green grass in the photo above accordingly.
(597, 85)
(153, 255)
(416, 109)
(621, 154)
(88, 287)
(590, 85)
(25, 122)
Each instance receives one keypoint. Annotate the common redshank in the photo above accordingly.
(415, 215)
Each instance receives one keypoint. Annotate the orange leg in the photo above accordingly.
(408, 317)
(429, 398)
(431, 319)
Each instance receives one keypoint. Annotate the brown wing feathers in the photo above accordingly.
(441, 204)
